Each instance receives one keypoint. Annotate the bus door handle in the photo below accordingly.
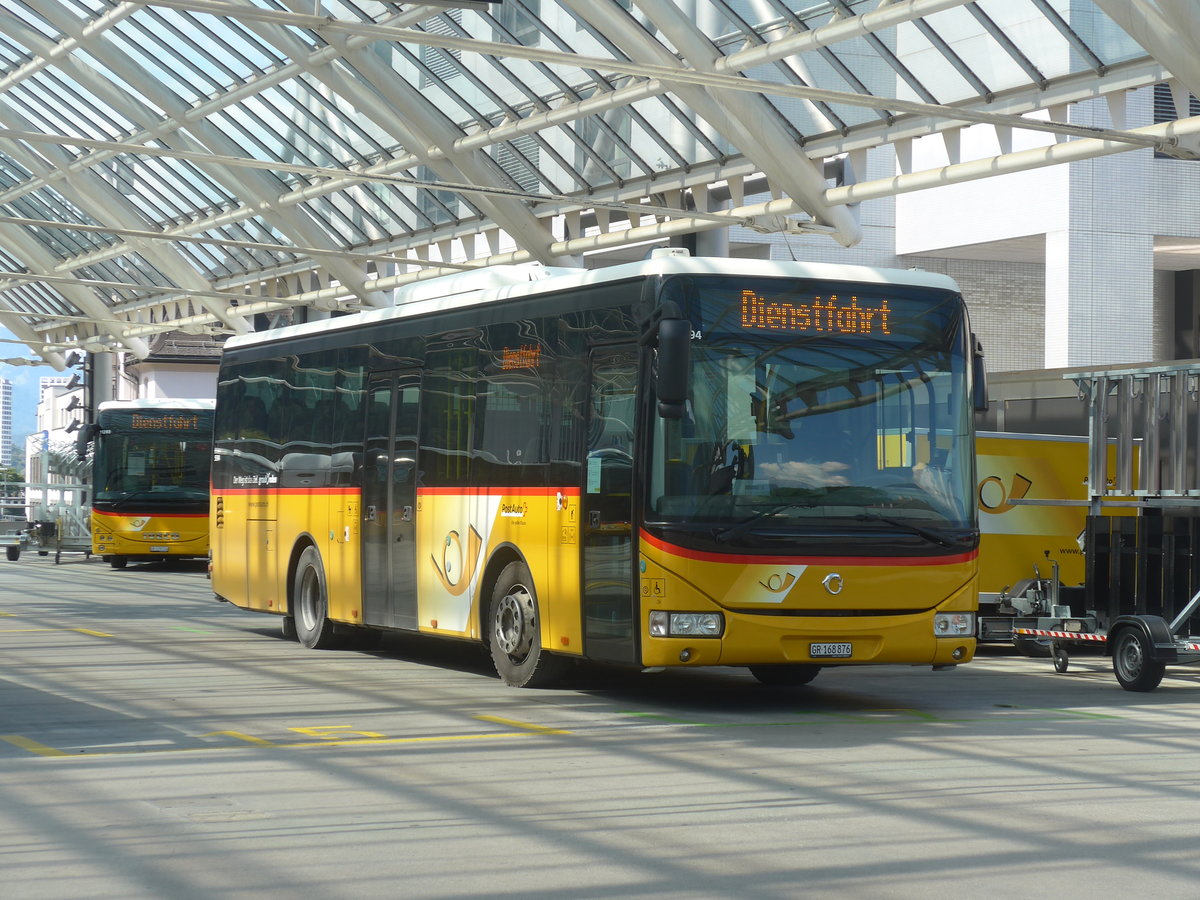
(370, 516)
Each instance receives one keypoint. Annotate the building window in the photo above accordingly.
(439, 61)
(518, 19)
(1166, 111)
(519, 158)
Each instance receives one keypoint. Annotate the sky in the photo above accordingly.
(25, 381)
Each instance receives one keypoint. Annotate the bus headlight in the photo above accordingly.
(957, 624)
(686, 624)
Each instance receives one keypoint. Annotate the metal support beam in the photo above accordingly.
(771, 150)
(1168, 29)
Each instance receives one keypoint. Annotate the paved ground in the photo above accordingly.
(157, 744)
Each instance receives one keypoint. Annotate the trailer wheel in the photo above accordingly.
(1061, 661)
(1133, 664)
(1034, 648)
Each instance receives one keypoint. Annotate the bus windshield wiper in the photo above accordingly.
(121, 501)
(905, 526)
(735, 531)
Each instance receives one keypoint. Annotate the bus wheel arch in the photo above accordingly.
(513, 626)
(503, 556)
(308, 598)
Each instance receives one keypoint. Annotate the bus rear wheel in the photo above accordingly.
(514, 632)
(786, 674)
(310, 602)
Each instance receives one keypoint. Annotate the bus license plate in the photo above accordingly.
(165, 550)
(838, 651)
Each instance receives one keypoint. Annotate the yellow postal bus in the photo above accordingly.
(676, 462)
(150, 479)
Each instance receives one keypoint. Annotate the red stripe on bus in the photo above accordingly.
(424, 491)
(706, 556)
(498, 491)
(260, 491)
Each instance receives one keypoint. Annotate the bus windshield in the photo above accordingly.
(151, 465)
(806, 418)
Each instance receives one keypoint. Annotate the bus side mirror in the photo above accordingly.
(86, 433)
(979, 376)
(674, 366)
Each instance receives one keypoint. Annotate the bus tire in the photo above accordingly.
(13, 553)
(1133, 664)
(514, 632)
(786, 674)
(310, 602)
(118, 562)
(288, 627)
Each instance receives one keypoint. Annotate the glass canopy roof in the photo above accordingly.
(187, 165)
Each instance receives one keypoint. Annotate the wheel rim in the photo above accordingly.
(309, 589)
(1129, 656)
(515, 620)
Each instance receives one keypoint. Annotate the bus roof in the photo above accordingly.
(488, 285)
(158, 403)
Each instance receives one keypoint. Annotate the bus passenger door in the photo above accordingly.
(389, 503)
(608, 596)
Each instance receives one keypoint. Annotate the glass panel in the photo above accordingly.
(153, 456)
(816, 407)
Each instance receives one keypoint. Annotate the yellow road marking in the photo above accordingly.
(529, 730)
(412, 740)
(334, 732)
(32, 746)
(248, 738)
(35, 747)
(52, 628)
(528, 726)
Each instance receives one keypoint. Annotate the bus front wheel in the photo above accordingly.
(118, 562)
(785, 674)
(310, 602)
(514, 632)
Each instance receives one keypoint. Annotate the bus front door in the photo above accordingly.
(608, 596)
(389, 573)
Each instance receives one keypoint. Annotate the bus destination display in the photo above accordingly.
(824, 314)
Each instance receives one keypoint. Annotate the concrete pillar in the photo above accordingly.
(103, 376)
(1100, 305)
